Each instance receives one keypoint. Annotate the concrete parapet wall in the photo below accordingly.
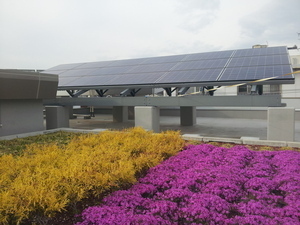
(20, 116)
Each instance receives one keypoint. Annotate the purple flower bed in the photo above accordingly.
(205, 184)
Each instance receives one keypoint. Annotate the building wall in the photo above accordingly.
(226, 91)
(291, 92)
(21, 116)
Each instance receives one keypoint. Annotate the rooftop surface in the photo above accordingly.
(205, 126)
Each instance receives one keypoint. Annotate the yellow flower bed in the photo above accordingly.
(45, 179)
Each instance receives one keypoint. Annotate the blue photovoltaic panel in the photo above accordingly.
(190, 76)
(260, 51)
(77, 73)
(254, 73)
(222, 66)
(164, 59)
(202, 64)
(152, 68)
(142, 78)
(259, 61)
(209, 55)
(66, 66)
(127, 62)
(110, 70)
(95, 64)
(66, 81)
(90, 81)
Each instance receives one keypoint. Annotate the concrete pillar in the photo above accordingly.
(56, 117)
(71, 112)
(147, 117)
(281, 124)
(120, 113)
(187, 115)
(131, 112)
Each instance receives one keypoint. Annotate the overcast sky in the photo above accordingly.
(39, 34)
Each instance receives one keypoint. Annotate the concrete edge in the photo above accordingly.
(24, 135)
(193, 137)
(241, 141)
(219, 139)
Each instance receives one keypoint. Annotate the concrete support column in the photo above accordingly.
(56, 117)
(120, 113)
(71, 112)
(281, 124)
(131, 112)
(147, 117)
(187, 115)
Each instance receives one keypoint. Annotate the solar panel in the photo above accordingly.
(253, 73)
(66, 66)
(222, 66)
(164, 59)
(189, 76)
(110, 70)
(127, 62)
(95, 64)
(142, 78)
(76, 73)
(259, 61)
(209, 55)
(260, 51)
(201, 64)
(152, 68)
(66, 81)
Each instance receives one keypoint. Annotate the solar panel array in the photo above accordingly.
(222, 66)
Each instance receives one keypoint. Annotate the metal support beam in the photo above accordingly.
(131, 92)
(101, 92)
(202, 100)
(71, 92)
(183, 90)
(78, 93)
(74, 94)
(169, 90)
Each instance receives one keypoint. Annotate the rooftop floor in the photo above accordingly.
(206, 127)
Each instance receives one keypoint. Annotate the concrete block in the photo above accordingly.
(56, 117)
(219, 139)
(293, 144)
(130, 112)
(195, 137)
(281, 124)
(120, 113)
(250, 138)
(147, 117)
(187, 115)
(265, 142)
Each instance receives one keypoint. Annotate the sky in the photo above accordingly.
(40, 34)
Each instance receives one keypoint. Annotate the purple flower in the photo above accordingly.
(205, 184)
